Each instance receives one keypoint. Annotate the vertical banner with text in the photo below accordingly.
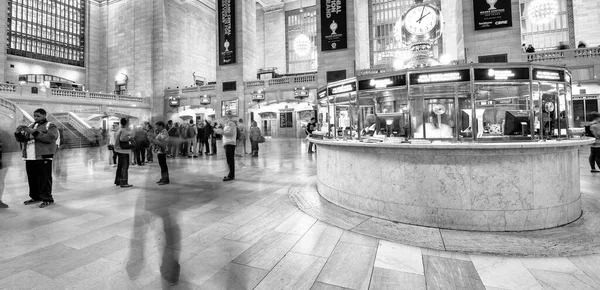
(227, 46)
(333, 25)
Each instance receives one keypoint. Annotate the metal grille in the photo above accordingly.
(51, 30)
(296, 23)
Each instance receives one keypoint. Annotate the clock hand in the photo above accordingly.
(423, 17)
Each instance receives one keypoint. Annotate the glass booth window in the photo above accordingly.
(551, 105)
(503, 110)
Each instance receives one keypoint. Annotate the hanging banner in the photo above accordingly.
(227, 46)
(333, 25)
(492, 14)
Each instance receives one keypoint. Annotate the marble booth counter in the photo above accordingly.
(511, 186)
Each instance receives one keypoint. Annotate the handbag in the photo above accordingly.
(130, 144)
(260, 139)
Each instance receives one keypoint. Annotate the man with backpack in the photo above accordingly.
(192, 132)
(39, 142)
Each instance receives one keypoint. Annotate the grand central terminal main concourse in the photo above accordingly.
(300, 144)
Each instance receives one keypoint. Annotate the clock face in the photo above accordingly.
(420, 20)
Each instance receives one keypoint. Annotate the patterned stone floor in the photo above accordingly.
(244, 234)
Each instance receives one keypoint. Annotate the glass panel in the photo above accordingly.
(502, 110)
(590, 106)
(579, 113)
(440, 119)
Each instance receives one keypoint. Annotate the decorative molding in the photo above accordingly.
(274, 7)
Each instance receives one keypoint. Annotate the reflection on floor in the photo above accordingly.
(244, 234)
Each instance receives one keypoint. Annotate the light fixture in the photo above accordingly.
(302, 43)
(542, 11)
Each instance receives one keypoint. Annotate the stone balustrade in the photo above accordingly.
(564, 55)
(25, 92)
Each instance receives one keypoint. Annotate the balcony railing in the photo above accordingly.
(566, 54)
(11, 91)
(8, 104)
(299, 79)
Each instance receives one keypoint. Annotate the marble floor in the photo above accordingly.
(244, 234)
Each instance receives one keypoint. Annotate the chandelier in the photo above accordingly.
(542, 11)
(302, 45)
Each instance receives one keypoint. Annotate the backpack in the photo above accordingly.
(588, 131)
(238, 133)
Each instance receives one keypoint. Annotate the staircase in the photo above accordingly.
(73, 134)
(71, 138)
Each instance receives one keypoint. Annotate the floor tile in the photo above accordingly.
(590, 265)
(561, 264)
(27, 279)
(203, 266)
(385, 279)
(268, 251)
(320, 240)
(297, 224)
(349, 266)
(245, 215)
(399, 257)
(235, 276)
(446, 254)
(507, 273)
(358, 239)
(445, 273)
(557, 280)
(325, 286)
(294, 271)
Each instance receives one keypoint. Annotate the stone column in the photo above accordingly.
(3, 26)
(245, 67)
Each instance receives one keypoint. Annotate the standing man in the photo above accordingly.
(39, 146)
(595, 148)
(192, 133)
(310, 127)
(160, 147)
(3, 171)
(229, 142)
(208, 131)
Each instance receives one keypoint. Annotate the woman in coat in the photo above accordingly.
(124, 134)
(254, 136)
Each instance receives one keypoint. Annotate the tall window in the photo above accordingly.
(296, 23)
(549, 35)
(51, 30)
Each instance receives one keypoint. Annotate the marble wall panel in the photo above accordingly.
(488, 190)
(501, 182)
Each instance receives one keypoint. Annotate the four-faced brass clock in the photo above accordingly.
(421, 23)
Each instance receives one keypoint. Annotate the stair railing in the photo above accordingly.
(81, 126)
(60, 124)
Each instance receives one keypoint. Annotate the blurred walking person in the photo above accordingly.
(39, 147)
(123, 137)
(240, 148)
(150, 134)
(255, 136)
(208, 131)
(3, 171)
(112, 137)
(141, 141)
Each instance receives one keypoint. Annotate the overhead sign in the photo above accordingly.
(548, 75)
(340, 89)
(382, 83)
(492, 14)
(333, 25)
(259, 96)
(174, 101)
(495, 74)
(227, 47)
(322, 93)
(205, 100)
(441, 77)
(301, 93)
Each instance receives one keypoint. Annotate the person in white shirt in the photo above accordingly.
(229, 142)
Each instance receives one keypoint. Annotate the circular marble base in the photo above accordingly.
(581, 237)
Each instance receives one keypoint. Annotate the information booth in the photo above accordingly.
(471, 147)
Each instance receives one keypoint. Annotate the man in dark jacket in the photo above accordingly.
(208, 131)
(39, 146)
